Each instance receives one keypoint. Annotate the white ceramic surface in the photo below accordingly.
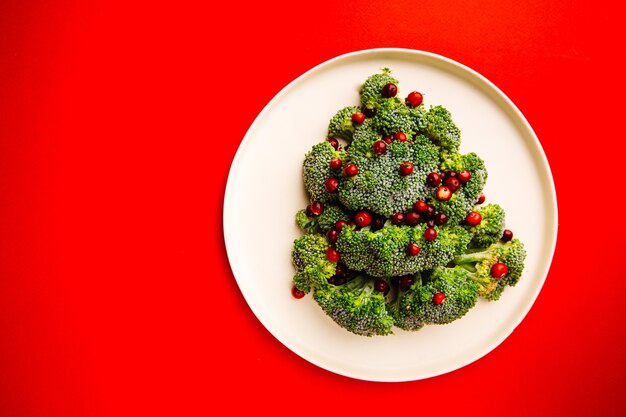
(266, 175)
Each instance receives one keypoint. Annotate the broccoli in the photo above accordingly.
(322, 223)
(341, 125)
(402, 317)
(379, 186)
(316, 170)
(479, 263)
(456, 208)
(440, 129)
(475, 165)
(371, 96)
(364, 136)
(383, 253)
(394, 116)
(490, 229)
(309, 258)
(356, 306)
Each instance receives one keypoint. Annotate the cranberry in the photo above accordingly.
(406, 281)
(499, 270)
(441, 219)
(430, 233)
(332, 280)
(332, 255)
(332, 235)
(363, 218)
(443, 193)
(381, 285)
(378, 222)
(452, 183)
(412, 249)
(430, 211)
(433, 179)
(481, 199)
(406, 168)
(473, 218)
(369, 112)
(340, 270)
(358, 117)
(448, 174)
(464, 176)
(507, 235)
(430, 222)
(350, 170)
(401, 136)
(397, 218)
(340, 224)
(388, 139)
(333, 142)
(414, 99)
(412, 218)
(439, 298)
(379, 147)
(315, 208)
(335, 163)
(296, 292)
(389, 90)
(331, 185)
(421, 206)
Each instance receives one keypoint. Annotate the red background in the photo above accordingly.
(118, 124)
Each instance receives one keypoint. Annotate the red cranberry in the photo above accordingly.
(430, 222)
(452, 183)
(315, 209)
(430, 212)
(406, 281)
(397, 218)
(350, 170)
(332, 255)
(481, 199)
(439, 298)
(441, 219)
(335, 163)
(358, 117)
(379, 147)
(333, 142)
(363, 218)
(430, 234)
(381, 285)
(389, 90)
(443, 193)
(507, 235)
(412, 218)
(406, 168)
(433, 179)
(401, 136)
(340, 224)
(421, 206)
(473, 218)
(331, 185)
(296, 292)
(388, 139)
(378, 222)
(499, 270)
(464, 176)
(448, 174)
(414, 99)
(332, 235)
(412, 249)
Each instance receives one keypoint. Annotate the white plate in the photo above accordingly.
(265, 190)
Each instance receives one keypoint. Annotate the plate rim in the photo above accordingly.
(477, 77)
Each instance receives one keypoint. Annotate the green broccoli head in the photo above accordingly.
(456, 208)
(479, 264)
(380, 187)
(475, 165)
(322, 223)
(440, 129)
(309, 258)
(316, 170)
(490, 229)
(383, 253)
(356, 306)
(371, 90)
(341, 125)
(394, 116)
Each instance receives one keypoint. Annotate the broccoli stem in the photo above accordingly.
(469, 258)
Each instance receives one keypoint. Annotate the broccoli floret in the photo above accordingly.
(309, 258)
(400, 311)
(475, 165)
(316, 170)
(371, 96)
(364, 136)
(490, 229)
(459, 296)
(440, 129)
(322, 223)
(479, 262)
(383, 253)
(341, 125)
(456, 208)
(394, 116)
(356, 306)
(379, 185)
